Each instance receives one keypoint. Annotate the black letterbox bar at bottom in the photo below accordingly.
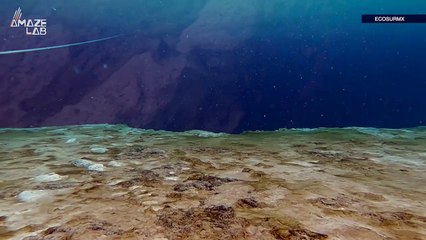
(394, 18)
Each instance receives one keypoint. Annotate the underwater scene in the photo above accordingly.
(212, 119)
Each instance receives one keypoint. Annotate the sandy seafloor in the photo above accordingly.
(115, 182)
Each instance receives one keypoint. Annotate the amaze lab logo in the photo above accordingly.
(33, 27)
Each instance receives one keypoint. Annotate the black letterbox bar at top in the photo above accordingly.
(394, 18)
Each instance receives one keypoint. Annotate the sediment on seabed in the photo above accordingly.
(115, 182)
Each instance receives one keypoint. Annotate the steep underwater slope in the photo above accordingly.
(115, 182)
(214, 64)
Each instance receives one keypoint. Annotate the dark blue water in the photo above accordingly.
(215, 65)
